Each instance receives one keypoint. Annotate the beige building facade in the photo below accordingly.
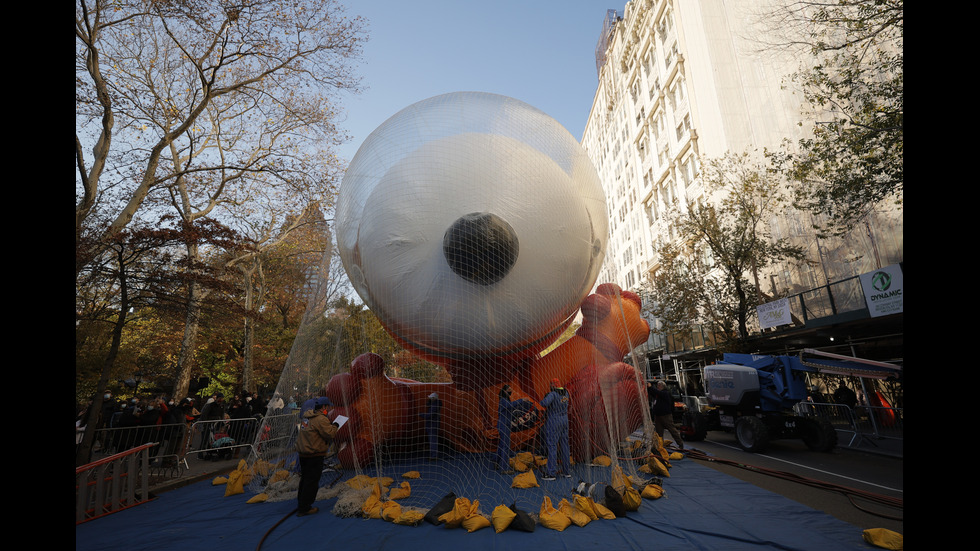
(682, 81)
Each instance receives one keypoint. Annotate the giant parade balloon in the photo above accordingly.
(473, 225)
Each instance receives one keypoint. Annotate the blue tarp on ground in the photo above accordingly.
(703, 510)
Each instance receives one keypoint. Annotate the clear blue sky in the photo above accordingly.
(541, 52)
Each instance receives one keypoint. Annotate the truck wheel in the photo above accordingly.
(751, 434)
(694, 427)
(819, 435)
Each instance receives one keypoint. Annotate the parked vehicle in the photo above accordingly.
(754, 395)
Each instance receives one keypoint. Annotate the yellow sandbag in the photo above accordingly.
(219, 480)
(236, 483)
(540, 460)
(360, 482)
(465, 514)
(583, 504)
(603, 511)
(518, 466)
(656, 467)
(386, 481)
(631, 499)
(501, 518)
(525, 457)
(401, 493)
(279, 476)
(599, 510)
(461, 509)
(411, 474)
(525, 480)
(259, 498)
(371, 508)
(676, 455)
(644, 468)
(409, 518)
(602, 460)
(475, 522)
(652, 491)
(372, 505)
(577, 517)
(390, 510)
(884, 538)
(550, 517)
(262, 468)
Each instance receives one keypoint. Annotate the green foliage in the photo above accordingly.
(221, 371)
(327, 344)
(362, 332)
(409, 366)
(683, 292)
(855, 159)
(709, 276)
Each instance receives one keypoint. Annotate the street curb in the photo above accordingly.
(181, 482)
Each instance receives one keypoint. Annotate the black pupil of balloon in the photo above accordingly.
(480, 247)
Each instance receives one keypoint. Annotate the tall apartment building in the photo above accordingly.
(680, 81)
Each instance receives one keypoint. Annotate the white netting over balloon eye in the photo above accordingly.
(473, 227)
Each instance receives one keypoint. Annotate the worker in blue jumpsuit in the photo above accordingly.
(555, 405)
(506, 411)
(431, 417)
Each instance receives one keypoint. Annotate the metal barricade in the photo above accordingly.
(169, 451)
(222, 438)
(275, 441)
(861, 426)
(839, 415)
(876, 424)
(166, 456)
(696, 403)
(284, 426)
(112, 484)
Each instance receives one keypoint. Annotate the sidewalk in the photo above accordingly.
(197, 470)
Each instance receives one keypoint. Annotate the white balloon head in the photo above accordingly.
(473, 225)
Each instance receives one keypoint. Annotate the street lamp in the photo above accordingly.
(134, 382)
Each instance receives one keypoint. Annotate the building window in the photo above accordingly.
(689, 170)
(670, 55)
(683, 127)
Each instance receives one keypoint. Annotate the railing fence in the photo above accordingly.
(864, 424)
(112, 484)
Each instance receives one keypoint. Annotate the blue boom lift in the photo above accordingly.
(754, 395)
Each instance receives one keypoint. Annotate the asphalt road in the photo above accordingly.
(858, 487)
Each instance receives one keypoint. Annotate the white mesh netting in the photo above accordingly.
(473, 226)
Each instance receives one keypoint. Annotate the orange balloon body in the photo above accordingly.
(386, 411)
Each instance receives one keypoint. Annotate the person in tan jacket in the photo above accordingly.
(313, 443)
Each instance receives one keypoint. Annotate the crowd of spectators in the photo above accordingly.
(123, 424)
